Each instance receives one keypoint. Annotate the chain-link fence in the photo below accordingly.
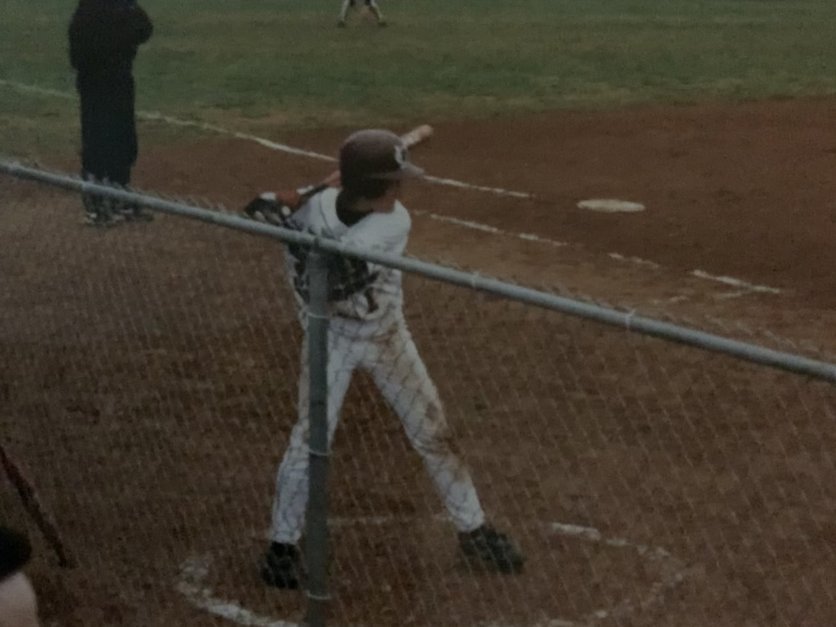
(149, 381)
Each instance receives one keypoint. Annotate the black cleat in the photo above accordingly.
(492, 548)
(281, 566)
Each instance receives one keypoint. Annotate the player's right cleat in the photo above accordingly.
(492, 548)
(281, 566)
(341, 23)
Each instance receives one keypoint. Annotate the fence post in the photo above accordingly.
(316, 533)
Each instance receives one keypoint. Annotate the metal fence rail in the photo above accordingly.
(627, 320)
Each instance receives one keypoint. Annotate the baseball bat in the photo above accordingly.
(34, 507)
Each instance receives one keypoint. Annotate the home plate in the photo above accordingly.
(610, 205)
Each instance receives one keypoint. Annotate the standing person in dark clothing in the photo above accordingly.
(18, 605)
(104, 37)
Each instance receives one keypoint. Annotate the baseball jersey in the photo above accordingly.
(373, 302)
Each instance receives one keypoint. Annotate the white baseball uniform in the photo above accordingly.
(368, 330)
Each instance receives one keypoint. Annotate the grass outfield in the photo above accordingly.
(264, 65)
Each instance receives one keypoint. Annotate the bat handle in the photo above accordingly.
(315, 189)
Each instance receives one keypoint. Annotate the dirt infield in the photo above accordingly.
(147, 376)
(741, 191)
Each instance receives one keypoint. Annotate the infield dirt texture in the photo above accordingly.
(147, 375)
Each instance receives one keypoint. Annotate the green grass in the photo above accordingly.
(264, 65)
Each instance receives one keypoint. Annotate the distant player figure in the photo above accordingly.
(104, 36)
(372, 6)
(18, 603)
(368, 331)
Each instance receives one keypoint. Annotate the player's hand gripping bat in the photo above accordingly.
(275, 208)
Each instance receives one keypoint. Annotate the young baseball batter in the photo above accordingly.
(373, 7)
(368, 331)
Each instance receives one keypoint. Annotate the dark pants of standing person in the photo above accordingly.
(108, 135)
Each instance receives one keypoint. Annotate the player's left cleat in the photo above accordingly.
(281, 566)
(492, 548)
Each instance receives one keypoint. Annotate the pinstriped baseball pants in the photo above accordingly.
(400, 374)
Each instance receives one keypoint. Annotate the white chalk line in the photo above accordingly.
(37, 90)
(478, 226)
(195, 570)
(159, 117)
(499, 191)
(727, 280)
(744, 287)
(193, 573)
(156, 116)
(636, 260)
